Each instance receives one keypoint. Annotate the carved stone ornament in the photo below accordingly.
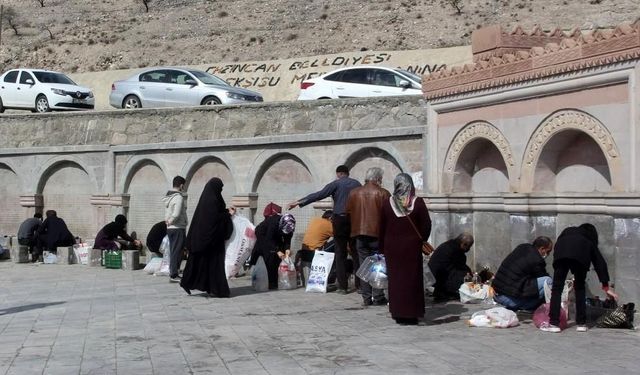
(566, 120)
(471, 132)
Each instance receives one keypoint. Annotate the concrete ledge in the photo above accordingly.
(66, 255)
(130, 260)
(95, 258)
(19, 253)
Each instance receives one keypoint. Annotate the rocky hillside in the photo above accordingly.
(81, 35)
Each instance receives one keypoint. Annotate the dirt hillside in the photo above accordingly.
(80, 35)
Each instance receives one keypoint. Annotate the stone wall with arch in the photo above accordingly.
(10, 191)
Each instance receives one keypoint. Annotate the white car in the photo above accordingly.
(42, 91)
(361, 81)
(176, 87)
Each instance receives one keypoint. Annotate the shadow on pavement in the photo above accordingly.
(443, 313)
(33, 306)
(243, 291)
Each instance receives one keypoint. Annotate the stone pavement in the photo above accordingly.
(74, 319)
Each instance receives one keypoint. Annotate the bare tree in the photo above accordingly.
(11, 17)
(45, 27)
(146, 5)
(457, 5)
(41, 2)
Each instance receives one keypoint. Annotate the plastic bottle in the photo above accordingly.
(476, 278)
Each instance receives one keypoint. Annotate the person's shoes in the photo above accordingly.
(582, 328)
(381, 302)
(341, 291)
(175, 279)
(546, 327)
(331, 288)
(367, 302)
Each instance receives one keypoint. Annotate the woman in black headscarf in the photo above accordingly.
(210, 226)
(404, 225)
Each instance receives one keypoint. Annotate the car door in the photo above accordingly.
(9, 88)
(26, 93)
(152, 86)
(387, 83)
(354, 83)
(178, 93)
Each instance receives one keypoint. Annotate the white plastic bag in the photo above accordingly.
(568, 286)
(319, 273)
(153, 265)
(239, 246)
(473, 292)
(497, 317)
(166, 258)
(287, 276)
(82, 251)
(165, 246)
(427, 276)
(49, 258)
(259, 277)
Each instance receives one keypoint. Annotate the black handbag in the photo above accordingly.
(620, 317)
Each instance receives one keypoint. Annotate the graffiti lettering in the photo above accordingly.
(341, 61)
(424, 69)
(253, 81)
(243, 68)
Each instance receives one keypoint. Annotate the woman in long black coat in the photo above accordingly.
(404, 225)
(210, 226)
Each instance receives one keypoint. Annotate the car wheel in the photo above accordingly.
(211, 100)
(42, 104)
(1, 106)
(131, 102)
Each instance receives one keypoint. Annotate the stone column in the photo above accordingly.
(107, 206)
(32, 204)
(245, 204)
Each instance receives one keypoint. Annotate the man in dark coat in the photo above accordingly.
(53, 233)
(576, 249)
(449, 267)
(519, 282)
(28, 234)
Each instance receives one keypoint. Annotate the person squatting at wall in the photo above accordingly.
(114, 236)
(519, 281)
(28, 234)
(449, 267)
(339, 190)
(53, 233)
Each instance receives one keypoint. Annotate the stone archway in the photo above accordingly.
(66, 187)
(367, 157)
(479, 159)
(10, 192)
(568, 147)
(200, 173)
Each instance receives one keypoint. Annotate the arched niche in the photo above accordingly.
(547, 165)
(282, 179)
(201, 172)
(67, 188)
(479, 159)
(571, 161)
(368, 157)
(146, 187)
(480, 169)
(10, 191)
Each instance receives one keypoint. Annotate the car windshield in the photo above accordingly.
(413, 76)
(208, 79)
(50, 77)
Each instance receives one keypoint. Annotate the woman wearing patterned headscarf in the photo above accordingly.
(210, 226)
(273, 238)
(404, 225)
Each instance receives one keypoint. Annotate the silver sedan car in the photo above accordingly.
(176, 87)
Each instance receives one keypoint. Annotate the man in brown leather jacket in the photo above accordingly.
(364, 206)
